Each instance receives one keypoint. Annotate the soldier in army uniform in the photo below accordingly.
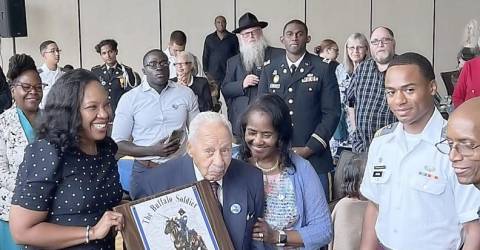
(311, 92)
(117, 78)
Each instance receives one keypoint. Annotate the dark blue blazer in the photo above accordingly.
(242, 184)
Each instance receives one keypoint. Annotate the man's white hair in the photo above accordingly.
(189, 56)
(204, 119)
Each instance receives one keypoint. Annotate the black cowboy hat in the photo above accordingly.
(248, 20)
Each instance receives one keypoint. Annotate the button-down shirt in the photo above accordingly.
(421, 204)
(49, 77)
(468, 84)
(297, 63)
(216, 52)
(367, 93)
(200, 177)
(146, 117)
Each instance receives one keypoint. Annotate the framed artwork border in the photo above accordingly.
(208, 206)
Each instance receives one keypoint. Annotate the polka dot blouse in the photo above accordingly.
(75, 188)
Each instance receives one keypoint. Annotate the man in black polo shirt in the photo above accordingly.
(219, 46)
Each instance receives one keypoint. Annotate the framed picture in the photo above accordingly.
(187, 217)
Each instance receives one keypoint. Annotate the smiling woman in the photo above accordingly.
(16, 132)
(68, 180)
(296, 212)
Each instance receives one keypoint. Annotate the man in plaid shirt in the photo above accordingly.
(366, 93)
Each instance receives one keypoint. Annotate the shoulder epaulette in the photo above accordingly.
(96, 67)
(127, 67)
(386, 130)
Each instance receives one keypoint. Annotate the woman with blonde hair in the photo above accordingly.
(356, 51)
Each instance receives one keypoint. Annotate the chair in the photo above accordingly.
(449, 79)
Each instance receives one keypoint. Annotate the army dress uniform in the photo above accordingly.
(116, 80)
(312, 95)
(421, 204)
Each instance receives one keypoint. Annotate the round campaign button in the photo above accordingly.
(235, 208)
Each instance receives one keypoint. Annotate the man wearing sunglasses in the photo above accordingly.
(415, 200)
(463, 142)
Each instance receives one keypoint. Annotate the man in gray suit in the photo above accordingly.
(237, 185)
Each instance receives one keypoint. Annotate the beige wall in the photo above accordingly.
(145, 24)
(276, 13)
(196, 19)
(325, 21)
(47, 20)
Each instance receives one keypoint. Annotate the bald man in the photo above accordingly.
(463, 135)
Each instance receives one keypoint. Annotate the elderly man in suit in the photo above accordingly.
(311, 92)
(239, 86)
(237, 185)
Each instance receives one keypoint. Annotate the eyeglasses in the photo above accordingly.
(385, 40)
(182, 63)
(29, 87)
(446, 146)
(54, 50)
(356, 48)
(251, 33)
(157, 65)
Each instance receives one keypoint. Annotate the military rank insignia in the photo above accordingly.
(310, 78)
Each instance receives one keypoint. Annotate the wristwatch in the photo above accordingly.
(282, 238)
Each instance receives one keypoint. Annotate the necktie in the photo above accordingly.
(214, 185)
(111, 72)
(292, 69)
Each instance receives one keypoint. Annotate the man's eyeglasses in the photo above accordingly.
(384, 40)
(54, 50)
(29, 87)
(251, 33)
(446, 146)
(183, 64)
(157, 65)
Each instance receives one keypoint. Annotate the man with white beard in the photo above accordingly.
(243, 70)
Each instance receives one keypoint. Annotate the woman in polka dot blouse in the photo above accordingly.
(68, 181)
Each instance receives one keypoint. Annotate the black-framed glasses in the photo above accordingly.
(445, 147)
(54, 50)
(27, 87)
(385, 40)
(157, 65)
